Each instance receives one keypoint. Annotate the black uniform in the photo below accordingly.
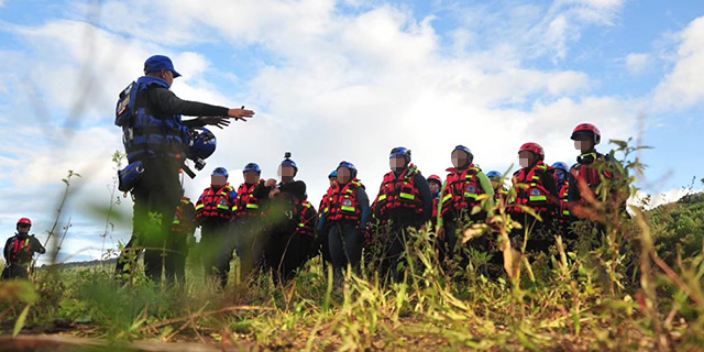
(18, 253)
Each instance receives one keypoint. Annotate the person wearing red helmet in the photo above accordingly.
(465, 183)
(586, 136)
(537, 191)
(435, 184)
(19, 251)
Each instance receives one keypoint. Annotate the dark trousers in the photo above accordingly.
(345, 241)
(454, 232)
(244, 233)
(175, 261)
(285, 251)
(156, 197)
(15, 271)
(217, 247)
(540, 233)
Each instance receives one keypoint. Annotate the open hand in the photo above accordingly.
(218, 121)
(240, 114)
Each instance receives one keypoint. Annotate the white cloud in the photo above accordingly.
(637, 63)
(650, 201)
(683, 87)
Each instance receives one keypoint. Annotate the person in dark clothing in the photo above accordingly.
(283, 205)
(403, 202)
(538, 192)
(156, 139)
(322, 231)
(213, 215)
(19, 251)
(247, 220)
(344, 214)
(181, 238)
(465, 183)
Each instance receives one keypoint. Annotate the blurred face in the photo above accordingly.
(168, 76)
(560, 174)
(250, 177)
(332, 180)
(286, 173)
(344, 175)
(23, 228)
(218, 181)
(459, 159)
(434, 187)
(397, 163)
(526, 158)
(496, 182)
(584, 144)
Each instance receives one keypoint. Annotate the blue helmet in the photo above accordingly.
(220, 171)
(350, 166)
(252, 167)
(464, 149)
(288, 162)
(561, 166)
(493, 173)
(401, 152)
(333, 174)
(202, 144)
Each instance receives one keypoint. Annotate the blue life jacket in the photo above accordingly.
(146, 133)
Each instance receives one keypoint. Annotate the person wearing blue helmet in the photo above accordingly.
(344, 215)
(213, 215)
(246, 220)
(323, 231)
(460, 195)
(500, 190)
(404, 201)
(288, 220)
(156, 138)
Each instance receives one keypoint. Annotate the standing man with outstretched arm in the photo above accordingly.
(157, 143)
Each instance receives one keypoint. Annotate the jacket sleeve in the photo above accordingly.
(6, 251)
(363, 200)
(549, 182)
(36, 245)
(488, 188)
(166, 102)
(426, 198)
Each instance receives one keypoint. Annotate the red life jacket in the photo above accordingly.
(215, 204)
(564, 199)
(535, 195)
(436, 203)
(400, 192)
(245, 203)
(500, 194)
(181, 225)
(461, 190)
(21, 252)
(306, 224)
(589, 173)
(342, 203)
(325, 202)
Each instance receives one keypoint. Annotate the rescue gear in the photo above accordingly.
(401, 152)
(560, 177)
(252, 167)
(180, 225)
(333, 174)
(144, 133)
(461, 190)
(342, 203)
(24, 221)
(288, 162)
(220, 171)
(201, 146)
(535, 196)
(535, 148)
(399, 192)
(587, 129)
(435, 178)
(215, 204)
(130, 176)
(306, 224)
(245, 203)
(350, 166)
(493, 173)
(157, 63)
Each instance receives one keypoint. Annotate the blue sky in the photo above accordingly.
(344, 80)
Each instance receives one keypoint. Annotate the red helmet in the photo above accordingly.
(435, 178)
(535, 148)
(587, 128)
(24, 221)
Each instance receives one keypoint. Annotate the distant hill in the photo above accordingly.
(679, 226)
(85, 264)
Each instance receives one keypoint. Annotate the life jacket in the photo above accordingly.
(342, 203)
(181, 225)
(585, 170)
(306, 224)
(145, 133)
(564, 199)
(21, 251)
(461, 190)
(535, 196)
(399, 193)
(245, 203)
(436, 203)
(501, 194)
(215, 204)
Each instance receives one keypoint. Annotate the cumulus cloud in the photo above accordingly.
(636, 64)
(683, 87)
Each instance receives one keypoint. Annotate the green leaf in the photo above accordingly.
(20, 321)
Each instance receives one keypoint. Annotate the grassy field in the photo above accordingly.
(640, 288)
